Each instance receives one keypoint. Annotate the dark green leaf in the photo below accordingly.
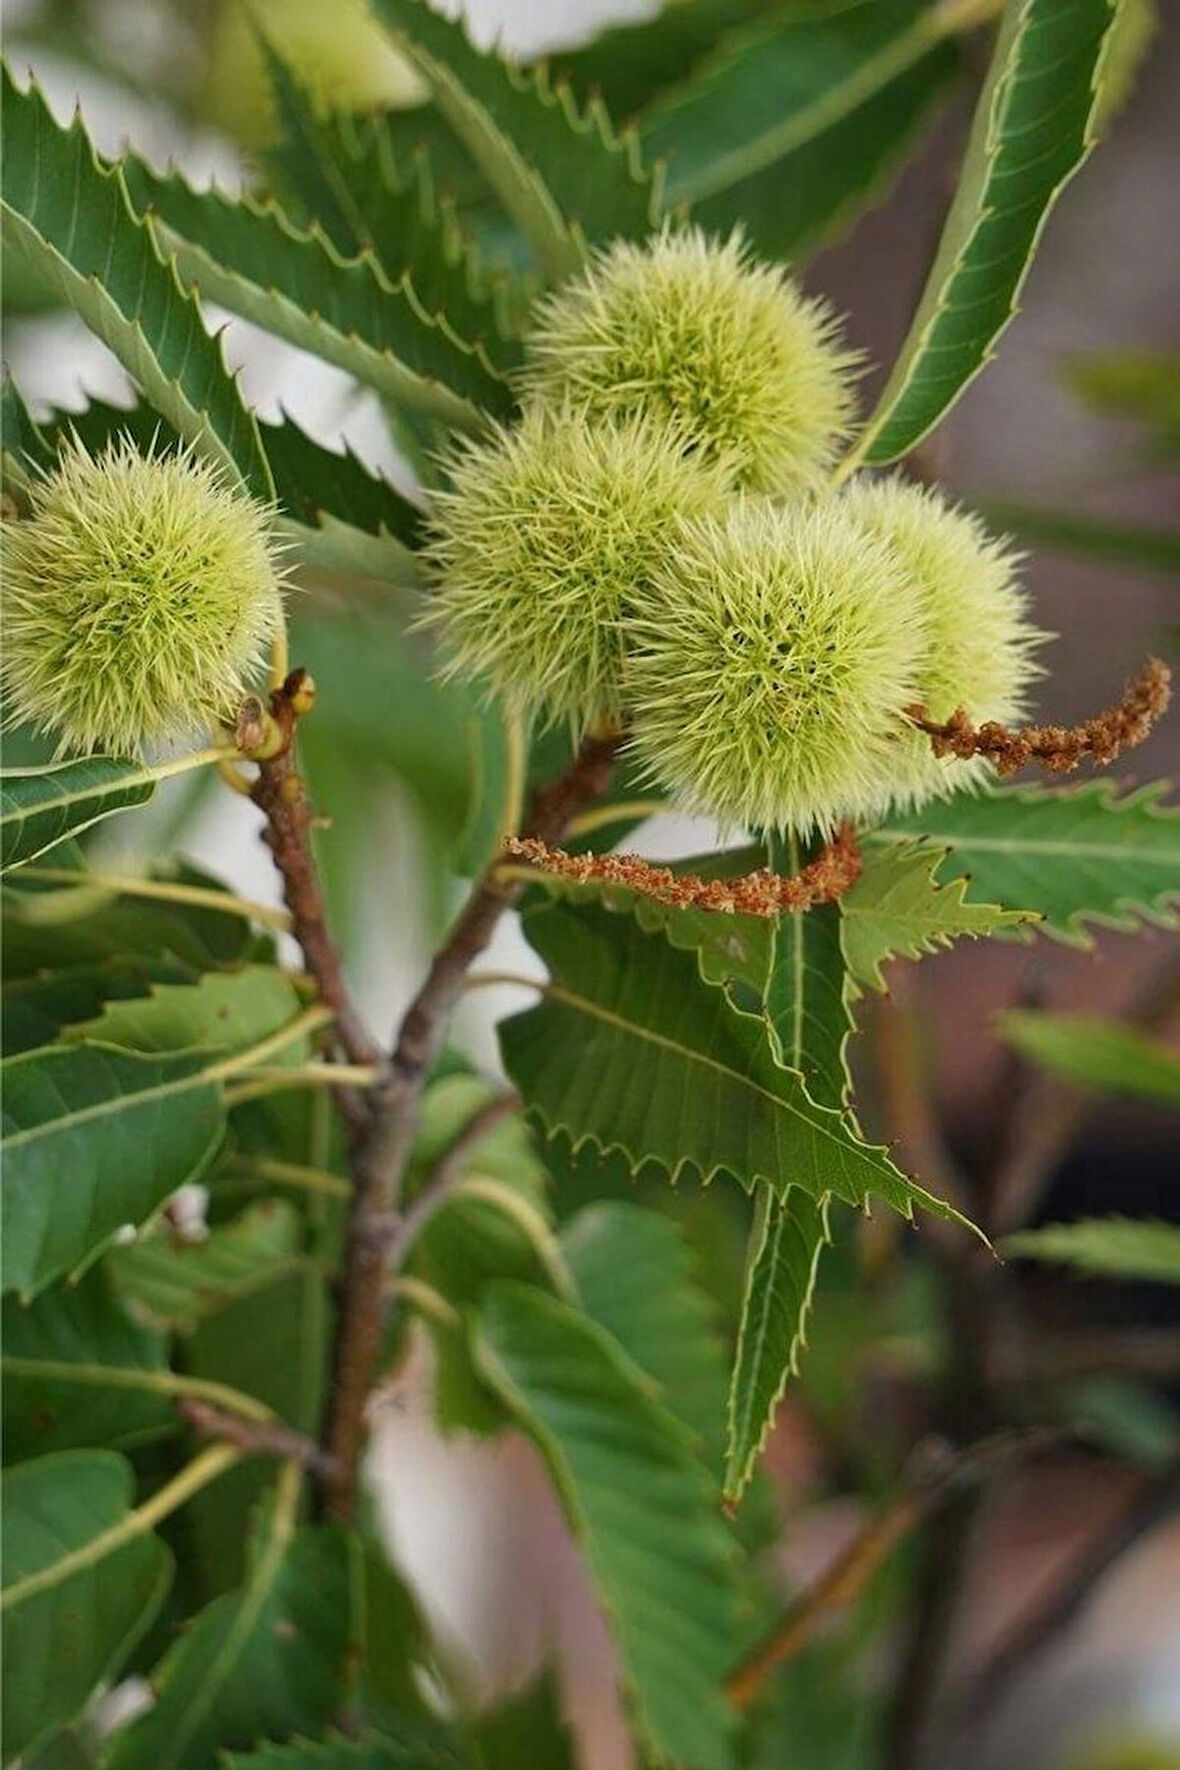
(527, 1729)
(272, 1343)
(634, 1274)
(72, 219)
(79, 924)
(630, 64)
(83, 1328)
(175, 1281)
(796, 122)
(644, 1511)
(40, 807)
(629, 1049)
(249, 257)
(1074, 855)
(94, 1139)
(1033, 127)
(35, 1009)
(1105, 1247)
(565, 178)
(345, 172)
(263, 1662)
(81, 1584)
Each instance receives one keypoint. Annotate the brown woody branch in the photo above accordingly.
(763, 893)
(383, 1150)
(253, 1437)
(1058, 748)
(935, 1471)
(281, 795)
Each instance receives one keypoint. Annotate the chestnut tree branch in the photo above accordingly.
(383, 1149)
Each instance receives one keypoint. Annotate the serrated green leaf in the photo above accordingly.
(263, 1662)
(94, 1139)
(34, 1010)
(1096, 1053)
(564, 177)
(175, 1281)
(77, 1325)
(806, 1003)
(78, 1591)
(789, 1236)
(40, 807)
(74, 923)
(643, 1509)
(1106, 1247)
(630, 1050)
(1073, 855)
(249, 257)
(72, 219)
(796, 122)
(1033, 127)
(896, 910)
(634, 1274)
(630, 64)
(25, 449)
(222, 1011)
(345, 172)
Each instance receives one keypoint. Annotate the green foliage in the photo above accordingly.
(1070, 855)
(897, 909)
(1033, 126)
(1105, 1247)
(72, 218)
(1097, 1053)
(174, 1281)
(40, 807)
(95, 1138)
(263, 1662)
(249, 257)
(155, 1031)
(668, 1072)
(805, 1000)
(349, 175)
(792, 125)
(644, 1510)
(82, 1581)
(634, 1275)
(565, 178)
(86, 1329)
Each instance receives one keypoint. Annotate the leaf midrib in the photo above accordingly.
(863, 1153)
(813, 119)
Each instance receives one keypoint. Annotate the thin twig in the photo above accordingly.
(834, 871)
(1045, 1621)
(280, 794)
(383, 1149)
(254, 1438)
(934, 1472)
(1058, 748)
